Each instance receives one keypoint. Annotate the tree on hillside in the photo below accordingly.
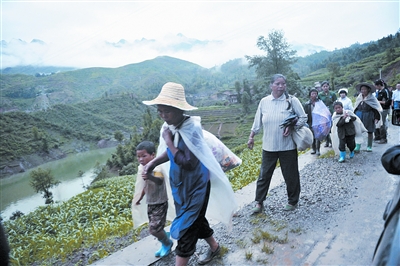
(246, 102)
(246, 88)
(151, 127)
(278, 58)
(334, 71)
(258, 94)
(124, 158)
(390, 54)
(238, 90)
(41, 181)
(45, 145)
(35, 132)
(118, 135)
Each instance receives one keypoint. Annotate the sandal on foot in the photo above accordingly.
(258, 208)
(289, 207)
(209, 256)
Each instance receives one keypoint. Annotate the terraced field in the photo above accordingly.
(227, 123)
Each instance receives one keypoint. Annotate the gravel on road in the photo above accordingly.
(338, 220)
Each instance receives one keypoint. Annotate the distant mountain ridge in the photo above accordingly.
(106, 53)
(26, 92)
(35, 70)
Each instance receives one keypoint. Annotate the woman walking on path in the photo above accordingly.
(368, 109)
(194, 175)
(277, 143)
(328, 97)
(308, 108)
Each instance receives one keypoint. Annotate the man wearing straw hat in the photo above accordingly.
(194, 173)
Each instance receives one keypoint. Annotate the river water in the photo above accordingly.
(17, 194)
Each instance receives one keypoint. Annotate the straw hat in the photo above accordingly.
(371, 87)
(172, 94)
(343, 90)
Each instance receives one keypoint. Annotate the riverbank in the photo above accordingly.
(36, 159)
(75, 172)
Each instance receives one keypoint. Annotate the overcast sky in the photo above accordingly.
(208, 33)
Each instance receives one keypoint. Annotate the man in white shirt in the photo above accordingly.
(396, 97)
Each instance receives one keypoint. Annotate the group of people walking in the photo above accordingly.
(185, 164)
(346, 130)
(372, 106)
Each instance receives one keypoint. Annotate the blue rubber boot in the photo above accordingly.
(166, 246)
(357, 149)
(369, 144)
(351, 154)
(163, 251)
(158, 252)
(342, 156)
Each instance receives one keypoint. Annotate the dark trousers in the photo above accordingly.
(290, 171)
(349, 141)
(381, 133)
(200, 229)
(328, 140)
(316, 145)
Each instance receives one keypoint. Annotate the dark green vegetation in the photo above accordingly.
(51, 234)
(41, 181)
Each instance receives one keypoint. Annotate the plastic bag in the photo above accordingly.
(321, 120)
(225, 157)
(303, 137)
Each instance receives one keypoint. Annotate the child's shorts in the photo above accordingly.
(157, 214)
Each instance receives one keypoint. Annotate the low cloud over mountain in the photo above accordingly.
(107, 54)
(83, 54)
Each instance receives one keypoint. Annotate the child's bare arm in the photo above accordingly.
(156, 161)
(141, 197)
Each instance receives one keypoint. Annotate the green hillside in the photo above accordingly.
(61, 126)
(142, 80)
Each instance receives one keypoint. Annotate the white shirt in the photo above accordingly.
(270, 114)
(396, 95)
